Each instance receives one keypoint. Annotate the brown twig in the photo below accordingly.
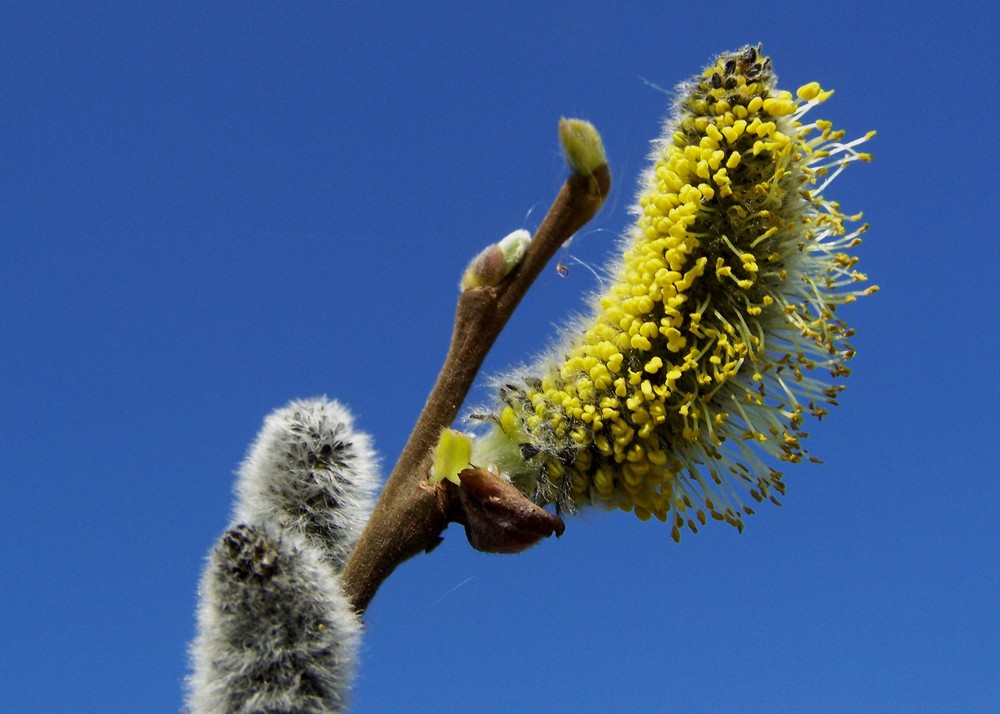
(411, 513)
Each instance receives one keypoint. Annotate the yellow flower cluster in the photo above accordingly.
(701, 355)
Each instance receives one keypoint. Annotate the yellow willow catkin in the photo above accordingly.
(718, 327)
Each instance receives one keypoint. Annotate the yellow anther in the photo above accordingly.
(808, 92)
(779, 107)
(508, 420)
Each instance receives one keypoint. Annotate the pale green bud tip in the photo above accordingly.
(496, 261)
(582, 146)
(451, 456)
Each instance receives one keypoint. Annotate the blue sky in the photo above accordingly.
(210, 209)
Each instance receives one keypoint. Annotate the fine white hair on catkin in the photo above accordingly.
(309, 471)
(275, 631)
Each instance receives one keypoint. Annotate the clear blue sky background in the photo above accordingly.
(210, 209)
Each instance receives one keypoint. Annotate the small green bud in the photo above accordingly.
(582, 146)
(496, 261)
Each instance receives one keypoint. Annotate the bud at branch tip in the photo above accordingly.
(581, 145)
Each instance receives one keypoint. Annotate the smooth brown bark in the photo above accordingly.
(411, 513)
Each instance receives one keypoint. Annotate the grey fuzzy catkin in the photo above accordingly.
(311, 472)
(276, 633)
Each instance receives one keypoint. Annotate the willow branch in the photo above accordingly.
(411, 513)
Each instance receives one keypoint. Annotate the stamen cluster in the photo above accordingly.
(709, 346)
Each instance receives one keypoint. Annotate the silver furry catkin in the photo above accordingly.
(310, 472)
(275, 631)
